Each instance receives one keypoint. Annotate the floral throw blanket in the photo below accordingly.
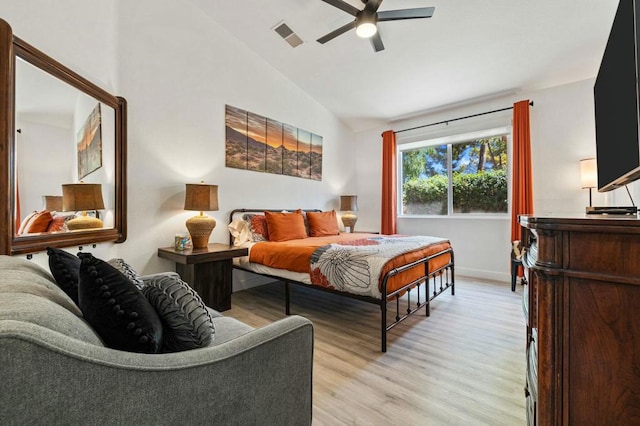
(355, 266)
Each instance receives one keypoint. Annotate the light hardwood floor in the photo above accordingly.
(463, 365)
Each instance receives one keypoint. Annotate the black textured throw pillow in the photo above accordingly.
(116, 309)
(186, 321)
(65, 268)
(127, 270)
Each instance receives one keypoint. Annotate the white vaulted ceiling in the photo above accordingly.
(468, 50)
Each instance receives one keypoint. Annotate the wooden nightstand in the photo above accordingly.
(207, 270)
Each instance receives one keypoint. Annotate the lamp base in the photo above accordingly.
(84, 222)
(612, 210)
(200, 228)
(349, 220)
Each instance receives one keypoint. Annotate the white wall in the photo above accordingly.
(177, 69)
(562, 133)
(78, 33)
(42, 153)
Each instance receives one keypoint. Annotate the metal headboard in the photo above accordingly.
(239, 211)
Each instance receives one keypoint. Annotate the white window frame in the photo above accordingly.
(453, 139)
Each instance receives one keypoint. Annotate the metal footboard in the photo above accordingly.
(441, 279)
(435, 282)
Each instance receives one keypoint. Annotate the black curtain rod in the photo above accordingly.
(459, 118)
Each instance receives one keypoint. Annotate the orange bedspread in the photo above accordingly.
(417, 271)
(294, 255)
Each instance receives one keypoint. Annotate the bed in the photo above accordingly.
(401, 274)
(45, 221)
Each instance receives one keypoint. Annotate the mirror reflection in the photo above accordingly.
(64, 137)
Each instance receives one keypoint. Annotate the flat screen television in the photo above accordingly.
(616, 102)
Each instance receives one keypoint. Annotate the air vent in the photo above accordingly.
(283, 30)
(287, 34)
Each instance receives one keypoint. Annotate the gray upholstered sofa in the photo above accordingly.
(54, 368)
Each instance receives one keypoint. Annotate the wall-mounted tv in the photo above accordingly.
(616, 102)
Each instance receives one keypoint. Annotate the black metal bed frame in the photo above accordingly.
(441, 278)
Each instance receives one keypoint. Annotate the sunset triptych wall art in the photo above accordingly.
(261, 144)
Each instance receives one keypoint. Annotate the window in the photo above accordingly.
(455, 175)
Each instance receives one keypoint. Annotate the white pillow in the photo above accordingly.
(240, 231)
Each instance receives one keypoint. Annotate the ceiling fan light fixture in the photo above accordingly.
(366, 29)
(366, 20)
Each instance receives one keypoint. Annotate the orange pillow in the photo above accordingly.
(259, 227)
(285, 226)
(323, 223)
(25, 223)
(59, 222)
(38, 222)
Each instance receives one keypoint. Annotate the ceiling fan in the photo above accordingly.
(367, 19)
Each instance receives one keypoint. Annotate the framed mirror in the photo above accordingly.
(57, 128)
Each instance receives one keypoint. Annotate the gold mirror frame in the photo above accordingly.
(10, 242)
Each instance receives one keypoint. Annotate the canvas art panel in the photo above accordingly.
(316, 157)
(290, 150)
(261, 144)
(257, 146)
(89, 146)
(274, 146)
(236, 140)
(304, 154)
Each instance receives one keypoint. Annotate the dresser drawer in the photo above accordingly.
(548, 248)
(624, 248)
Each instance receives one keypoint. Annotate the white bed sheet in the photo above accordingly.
(244, 263)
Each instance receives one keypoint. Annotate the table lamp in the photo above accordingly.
(201, 197)
(52, 203)
(588, 176)
(349, 204)
(82, 197)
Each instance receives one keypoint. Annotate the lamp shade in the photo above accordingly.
(82, 196)
(52, 203)
(588, 173)
(349, 203)
(201, 197)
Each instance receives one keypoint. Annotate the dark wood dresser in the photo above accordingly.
(582, 306)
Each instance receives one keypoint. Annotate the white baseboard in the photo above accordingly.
(483, 275)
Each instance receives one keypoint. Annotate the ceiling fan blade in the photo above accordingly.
(335, 33)
(372, 5)
(343, 6)
(400, 14)
(376, 42)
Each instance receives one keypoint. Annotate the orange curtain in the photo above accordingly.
(522, 181)
(389, 196)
